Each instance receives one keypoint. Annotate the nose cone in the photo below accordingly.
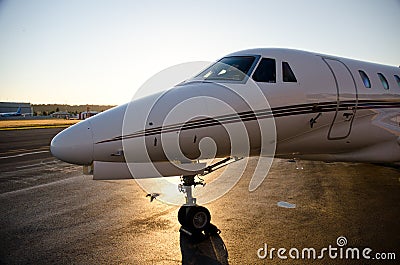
(74, 145)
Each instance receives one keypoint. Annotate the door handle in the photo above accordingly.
(348, 115)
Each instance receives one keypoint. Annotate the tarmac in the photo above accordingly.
(50, 213)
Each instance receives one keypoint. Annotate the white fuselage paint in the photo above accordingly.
(353, 123)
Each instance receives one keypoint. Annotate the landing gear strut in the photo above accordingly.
(194, 218)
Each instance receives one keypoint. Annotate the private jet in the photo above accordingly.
(11, 114)
(268, 102)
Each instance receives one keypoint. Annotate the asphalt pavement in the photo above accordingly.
(50, 213)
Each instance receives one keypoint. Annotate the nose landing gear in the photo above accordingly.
(194, 219)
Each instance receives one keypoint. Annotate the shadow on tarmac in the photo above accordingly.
(207, 248)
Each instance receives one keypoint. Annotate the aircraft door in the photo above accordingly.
(346, 99)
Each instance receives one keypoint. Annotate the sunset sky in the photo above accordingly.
(100, 52)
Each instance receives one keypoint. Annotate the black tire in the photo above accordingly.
(198, 218)
(182, 213)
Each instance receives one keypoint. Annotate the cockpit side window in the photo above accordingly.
(266, 71)
(288, 75)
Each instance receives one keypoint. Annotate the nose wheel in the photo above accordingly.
(193, 218)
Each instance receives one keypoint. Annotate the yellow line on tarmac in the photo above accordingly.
(36, 127)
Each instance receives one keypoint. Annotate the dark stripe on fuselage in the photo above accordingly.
(283, 111)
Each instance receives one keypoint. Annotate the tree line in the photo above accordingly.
(48, 109)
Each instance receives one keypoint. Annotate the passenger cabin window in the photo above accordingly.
(288, 75)
(365, 79)
(384, 81)
(397, 79)
(266, 71)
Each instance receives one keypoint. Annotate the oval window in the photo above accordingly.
(397, 79)
(384, 81)
(365, 79)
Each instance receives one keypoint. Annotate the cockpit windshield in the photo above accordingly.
(233, 68)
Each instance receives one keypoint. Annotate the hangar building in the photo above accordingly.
(26, 108)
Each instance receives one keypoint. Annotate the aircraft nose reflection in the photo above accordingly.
(74, 144)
